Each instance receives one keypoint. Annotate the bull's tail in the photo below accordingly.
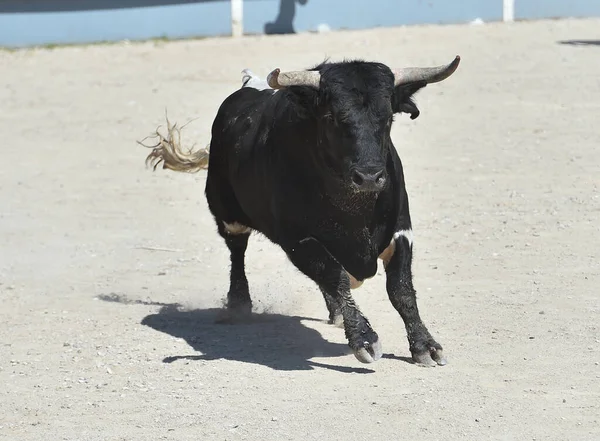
(168, 150)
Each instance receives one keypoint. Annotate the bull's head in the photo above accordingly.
(354, 103)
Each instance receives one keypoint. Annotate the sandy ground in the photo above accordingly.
(103, 339)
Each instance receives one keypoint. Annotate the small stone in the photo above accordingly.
(564, 400)
(531, 337)
(274, 419)
(162, 273)
(323, 28)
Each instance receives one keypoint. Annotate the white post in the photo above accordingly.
(237, 18)
(508, 10)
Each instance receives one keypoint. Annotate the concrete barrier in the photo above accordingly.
(48, 22)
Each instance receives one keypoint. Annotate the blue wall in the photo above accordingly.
(536, 9)
(26, 23)
(37, 22)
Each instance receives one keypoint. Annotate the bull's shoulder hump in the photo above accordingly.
(246, 100)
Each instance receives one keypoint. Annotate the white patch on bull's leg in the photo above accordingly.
(388, 253)
(354, 284)
(236, 228)
(408, 234)
(251, 80)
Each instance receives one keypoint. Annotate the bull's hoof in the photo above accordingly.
(432, 357)
(369, 352)
(241, 313)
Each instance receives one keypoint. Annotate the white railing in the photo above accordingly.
(237, 18)
(508, 10)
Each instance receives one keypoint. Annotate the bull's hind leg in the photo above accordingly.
(230, 223)
(335, 309)
(313, 259)
(236, 237)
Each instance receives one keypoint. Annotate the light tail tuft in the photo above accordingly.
(168, 151)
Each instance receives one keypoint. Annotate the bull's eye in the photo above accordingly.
(329, 118)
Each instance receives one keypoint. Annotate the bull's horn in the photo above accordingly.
(427, 74)
(279, 80)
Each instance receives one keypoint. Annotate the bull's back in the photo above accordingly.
(235, 116)
(239, 163)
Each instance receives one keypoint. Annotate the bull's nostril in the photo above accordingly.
(368, 182)
(357, 178)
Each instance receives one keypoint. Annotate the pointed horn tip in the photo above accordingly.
(454, 65)
(273, 79)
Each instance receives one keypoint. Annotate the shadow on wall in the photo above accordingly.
(273, 340)
(284, 23)
(580, 42)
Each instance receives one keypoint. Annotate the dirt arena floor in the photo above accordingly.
(111, 275)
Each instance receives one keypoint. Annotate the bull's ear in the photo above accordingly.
(402, 100)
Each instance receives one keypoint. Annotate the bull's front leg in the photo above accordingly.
(313, 259)
(424, 349)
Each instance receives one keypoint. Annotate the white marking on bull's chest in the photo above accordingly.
(236, 228)
(388, 253)
(354, 284)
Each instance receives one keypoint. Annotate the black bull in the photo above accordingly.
(307, 160)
